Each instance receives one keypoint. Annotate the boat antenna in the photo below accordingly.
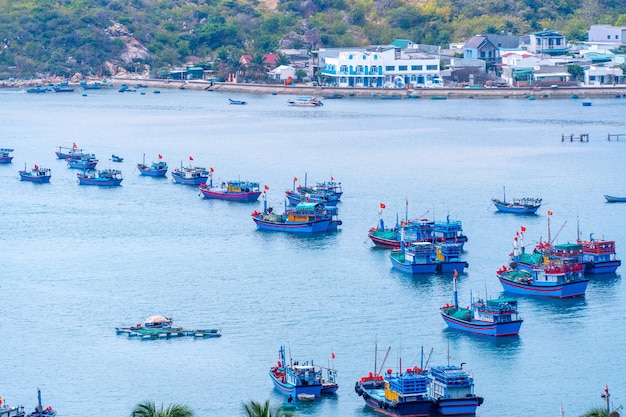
(577, 228)
(428, 359)
(448, 354)
(557, 233)
(504, 193)
(406, 209)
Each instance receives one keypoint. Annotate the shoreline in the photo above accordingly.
(369, 92)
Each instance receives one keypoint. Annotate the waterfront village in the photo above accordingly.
(540, 59)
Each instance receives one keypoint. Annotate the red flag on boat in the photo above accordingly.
(160, 156)
(74, 145)
(456, 273)
(295, 179)
(332, 355)
(382, 205)
(36, 167)
(267, 188)
(191, 158)
(211, 169)
(332, 179)
(523, 228)
(606, 389)
(549, 213)
(406, 201)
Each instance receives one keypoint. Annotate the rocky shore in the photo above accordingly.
(451, 93)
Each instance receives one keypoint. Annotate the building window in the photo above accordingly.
(350, 56)
(343, 68)
(608, 36)
(343, 80)
(359, 69)
(431, 67)
(363, 57)
(402, 68)
(390, 68)
(375, 57)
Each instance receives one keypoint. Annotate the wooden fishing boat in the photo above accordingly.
(237, 102)
(241, 191)
(67, 152)
(599, 256)
(116, 158)
(85, 161)
(159, 327)
(37, 174)
(40, 411)
(105, 177)
(452, 390)
(305, 218)
(295, 379)
(190, 175)
(495, 317)
(421, 257)
(155, 169)
(5, 155)
(517, 205)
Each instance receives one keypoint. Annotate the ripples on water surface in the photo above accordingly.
(80, 261)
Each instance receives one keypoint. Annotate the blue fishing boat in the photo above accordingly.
(105, 177)
(495, 317)
(614, 199)
(37, 174)
(328, 193)
(190, 175)
(450, 231)
(40, 411)
(305, 218)
(413, 230)
(5, 155)
(237, 102)
(599, 256)
(452, 390)
(241, 191)
(116, 158)
(66, 152)
(63, 87)
(329, 384)
(517, 205)
(295, 379)
(85, 161)
(155, 169)
(37, 89)
(400, 394)
(421, 257)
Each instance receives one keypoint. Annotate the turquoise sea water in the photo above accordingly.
(80, 261)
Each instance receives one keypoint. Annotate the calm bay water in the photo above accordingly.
(80, 261)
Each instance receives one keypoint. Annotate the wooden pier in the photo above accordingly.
(583, 137)
(617, 136)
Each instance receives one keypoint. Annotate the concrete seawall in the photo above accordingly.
(451, 93)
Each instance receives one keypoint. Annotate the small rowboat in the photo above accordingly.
(613, 199)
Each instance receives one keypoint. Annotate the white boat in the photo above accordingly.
(305, 101)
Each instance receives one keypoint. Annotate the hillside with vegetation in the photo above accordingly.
(106, 37)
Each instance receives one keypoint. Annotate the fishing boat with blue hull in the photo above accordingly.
(329, 384)
(190, 175)
(69, 152)
(5, 155)
(116, 158)
(426, 258)
(401, 394)
(305, 218)
(328, 193)
(37, 174)
(159, 327)
(240, 191)
(155, 169)
(517, 205)
(237, 102)
(452, 390)
(495, 317)
(37, 89)
(449, 231)
(295, 379)
(103, 178)
(599, 256)
(63, 87)
(40, 411)
(85, 161)
(614, 199)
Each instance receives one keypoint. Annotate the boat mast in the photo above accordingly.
(504, 193)
(456, 298)
(384, 360)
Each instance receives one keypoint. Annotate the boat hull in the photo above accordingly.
(40, 179)
(565, 290)
(613, 199)
(603, 267)
(295, 390)
(375, 399)
(458, 266)
(189, 181)
(102, 183)
(296, 227)
(428, 268)
(456, 406)
(152, 173)
(482, 327)
(516, 209)
(6, 159)
(231, 196)
(81, 165)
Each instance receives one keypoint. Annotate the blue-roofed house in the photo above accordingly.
(548, 42)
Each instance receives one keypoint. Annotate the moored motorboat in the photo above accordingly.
(85, 161)
(116, 158)
(37, 89)
(305, 218)
(305, 101)
(494, 317)
(37, 174)
(105, 177)
(295, 379)
(5, 155)
(238, 102)
(420, 257)
(155, 169)
(236, 190)
(67, 152)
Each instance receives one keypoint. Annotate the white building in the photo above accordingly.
(282, 73)
(388, 67)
